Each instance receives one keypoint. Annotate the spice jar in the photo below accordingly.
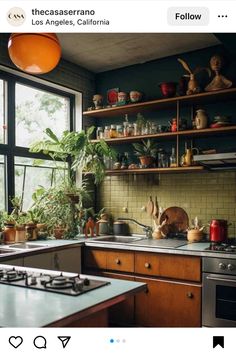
(130, 130)
(107, 132)
(99, 132)
(113, 132)
(119, 129)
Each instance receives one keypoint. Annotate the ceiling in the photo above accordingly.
(107, 51)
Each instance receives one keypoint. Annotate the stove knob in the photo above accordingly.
(230, 267)
(222, 266)
(86, 282)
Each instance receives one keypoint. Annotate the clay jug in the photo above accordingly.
(201, 119)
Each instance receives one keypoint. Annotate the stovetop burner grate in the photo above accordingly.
(58, 283)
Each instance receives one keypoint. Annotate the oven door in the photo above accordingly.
(219, 300)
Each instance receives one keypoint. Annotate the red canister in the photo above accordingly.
(218, 230)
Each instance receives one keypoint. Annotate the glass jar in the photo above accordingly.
(130, 130)
(107, 132)
(173, 160)
(113, 132)
(125, 128)
(99, 133)
(120, 131)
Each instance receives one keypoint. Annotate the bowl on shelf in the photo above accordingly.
(168, 89)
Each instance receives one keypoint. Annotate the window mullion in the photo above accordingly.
(10, 141)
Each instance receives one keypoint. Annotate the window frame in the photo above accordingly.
(9, 149)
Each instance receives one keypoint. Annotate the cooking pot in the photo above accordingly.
(218, 230)
(120, 228)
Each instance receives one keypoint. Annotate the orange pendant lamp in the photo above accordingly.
(34, 53)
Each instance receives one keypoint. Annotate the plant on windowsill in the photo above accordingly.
(146, 152)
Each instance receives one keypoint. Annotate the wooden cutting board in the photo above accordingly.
(177, 220)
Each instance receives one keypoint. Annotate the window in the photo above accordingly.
(37, 110)
(31, 108)
(2, 113)
(2, 182)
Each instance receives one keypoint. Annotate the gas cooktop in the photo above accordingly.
(56, 282)
(228, 246)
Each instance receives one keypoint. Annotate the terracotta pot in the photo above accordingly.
(146, 160)
(59, 232)
(9, 233)
(20, 234)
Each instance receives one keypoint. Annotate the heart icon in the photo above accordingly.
(15, 341)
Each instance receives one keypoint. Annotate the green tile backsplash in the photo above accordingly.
(206, 195)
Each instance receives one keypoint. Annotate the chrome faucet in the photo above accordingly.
(147, 229)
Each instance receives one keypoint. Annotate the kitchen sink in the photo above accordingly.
(5, 251)
(27, 246)
(117, 239)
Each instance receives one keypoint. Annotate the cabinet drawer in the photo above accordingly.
(179, 267)
(95, 258)
(120, 261)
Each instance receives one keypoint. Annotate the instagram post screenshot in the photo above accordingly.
(117, 177)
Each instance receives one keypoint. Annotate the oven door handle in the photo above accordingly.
(225, 279)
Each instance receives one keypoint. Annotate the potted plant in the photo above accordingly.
(77, 147)
(146, 152)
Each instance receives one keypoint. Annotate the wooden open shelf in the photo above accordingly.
(163, 103)
(188, 133)
(168, 170)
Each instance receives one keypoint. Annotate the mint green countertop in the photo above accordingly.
(22, 307)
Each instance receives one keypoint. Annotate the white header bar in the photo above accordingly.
(117, 16)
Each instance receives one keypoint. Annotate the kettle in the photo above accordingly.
(218, 230)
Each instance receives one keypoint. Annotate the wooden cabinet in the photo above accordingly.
(15, 262)
(109, 260)
(179, 267)
(173, 297)
(39, 261)
(66, 259)
(168, 304)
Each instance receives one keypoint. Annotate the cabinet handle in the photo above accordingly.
(189, 295)
(117, 261)
(56, 261)
(147, 265)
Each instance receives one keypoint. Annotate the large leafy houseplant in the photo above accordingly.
(77, 147)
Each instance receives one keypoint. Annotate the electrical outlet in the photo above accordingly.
(125, 209)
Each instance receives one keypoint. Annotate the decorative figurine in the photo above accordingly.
(122, 98)
(97, 100)
(193, 85)
(219, 81)
(135, 96)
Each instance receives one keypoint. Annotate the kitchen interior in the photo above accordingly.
(137, 229)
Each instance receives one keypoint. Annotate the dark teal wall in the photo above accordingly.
(146, 77)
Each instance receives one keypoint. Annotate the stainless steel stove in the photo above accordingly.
(52, 281)
(228, 247)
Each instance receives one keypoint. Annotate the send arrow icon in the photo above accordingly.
(64, 340)
(218, 341)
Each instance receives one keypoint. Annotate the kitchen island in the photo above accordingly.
(25, 307)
